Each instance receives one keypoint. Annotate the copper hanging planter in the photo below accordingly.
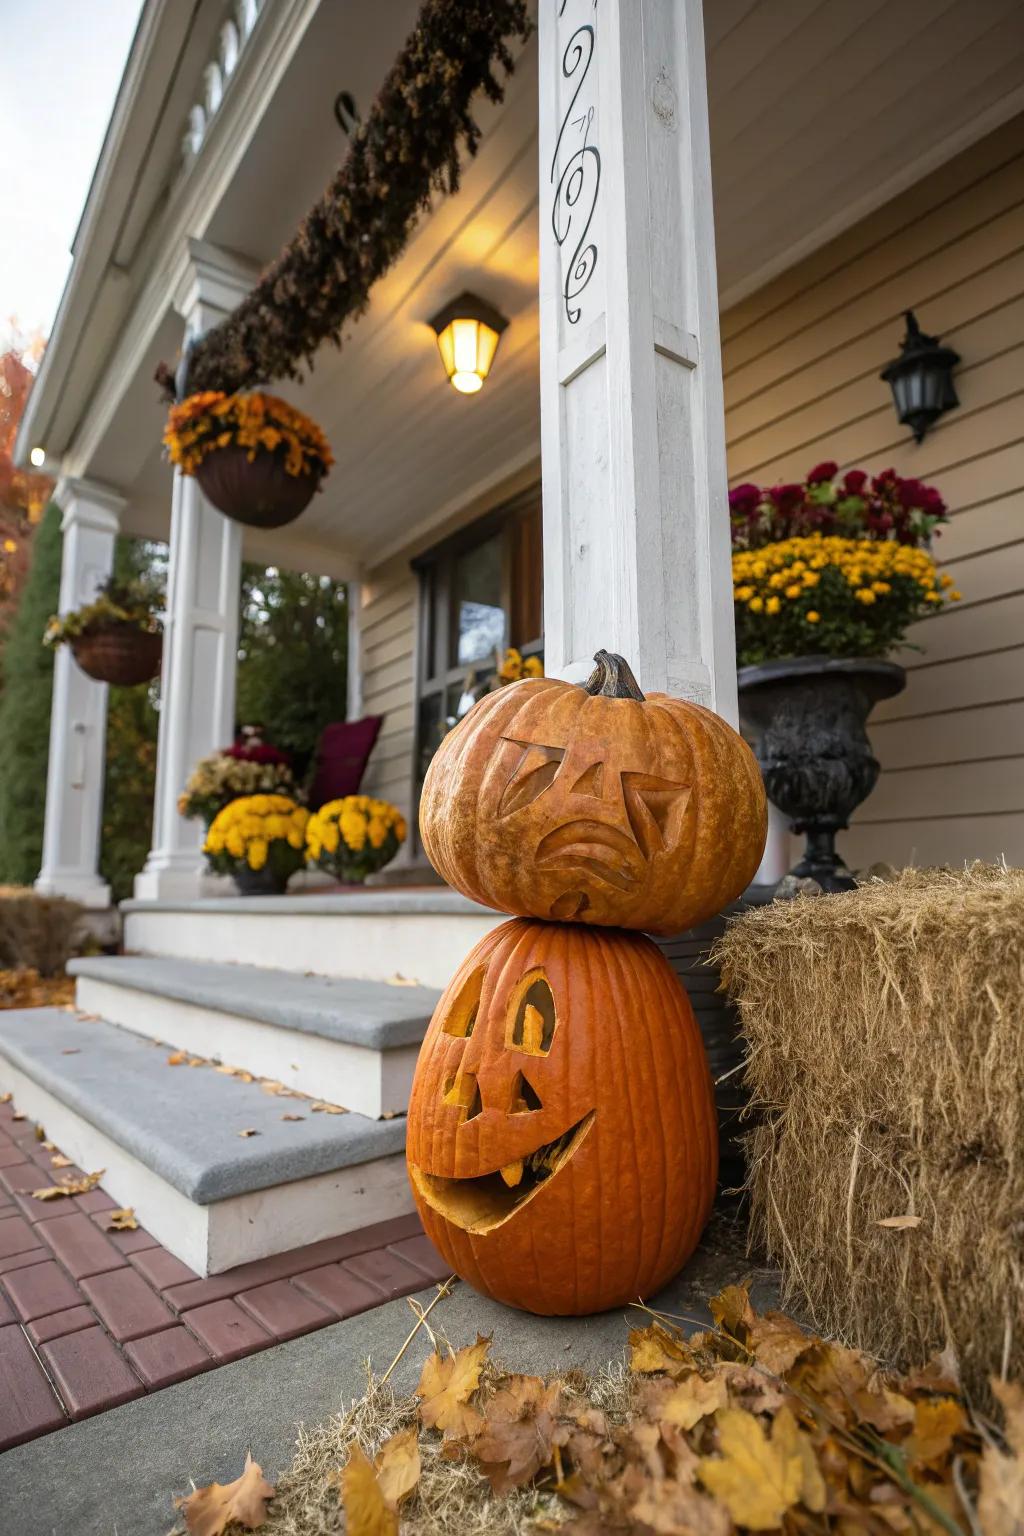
(120, 654)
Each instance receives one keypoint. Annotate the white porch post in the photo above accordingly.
(636, 531)
(197, 690)
(78, 719)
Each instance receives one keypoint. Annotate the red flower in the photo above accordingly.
(823, 471)
(744, 500)
(787, 497)
(854, 481)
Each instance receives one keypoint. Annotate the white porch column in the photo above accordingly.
(78, 719)
(197, 690)
(636, 529)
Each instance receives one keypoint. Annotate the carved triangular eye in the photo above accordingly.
(532, 775)
(525, 1098)
(654, 807)
(532, 1016)
(461, 1016)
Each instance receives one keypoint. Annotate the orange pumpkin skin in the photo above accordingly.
(550, 801)
(609, 1069)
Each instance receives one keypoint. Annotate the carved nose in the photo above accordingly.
(525, 1098)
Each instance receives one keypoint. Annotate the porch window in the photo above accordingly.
(480, 592)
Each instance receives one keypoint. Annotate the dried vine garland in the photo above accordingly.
(407, 148)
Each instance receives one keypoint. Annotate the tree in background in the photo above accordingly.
(23, 493)
(26, 668)
(293, 657)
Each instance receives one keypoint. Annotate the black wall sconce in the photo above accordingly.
(921, 379)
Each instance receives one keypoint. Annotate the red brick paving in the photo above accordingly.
(107, 1316)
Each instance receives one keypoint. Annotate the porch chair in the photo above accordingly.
(341, 756)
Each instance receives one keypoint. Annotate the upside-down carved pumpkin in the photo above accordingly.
(595, 805)
(562, 1141)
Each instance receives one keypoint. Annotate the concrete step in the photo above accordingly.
(171, 1146)
(424, 935)
(348, 1041)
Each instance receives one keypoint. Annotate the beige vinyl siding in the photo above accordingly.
(387, 627)
(801, 360)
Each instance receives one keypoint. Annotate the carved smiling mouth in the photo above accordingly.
(480, 1204)
(601, 850)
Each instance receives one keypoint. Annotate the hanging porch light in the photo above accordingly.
(921, 379)
(468, 331)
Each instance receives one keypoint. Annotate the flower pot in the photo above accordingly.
(259, 882)
(806, 716)
(258, 492)
(122, 654)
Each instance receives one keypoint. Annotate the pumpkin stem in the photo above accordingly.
(612, 679)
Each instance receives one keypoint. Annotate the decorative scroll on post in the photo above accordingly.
(576, 173)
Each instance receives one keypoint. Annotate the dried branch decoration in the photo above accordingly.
(407, 148)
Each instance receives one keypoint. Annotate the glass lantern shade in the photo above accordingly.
(921, 379)
(468, 331)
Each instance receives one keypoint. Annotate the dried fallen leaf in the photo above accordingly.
(777, 1342)
(270, 1086)
(398, 980)
(122, 1220)
(197, 1061)
(900, 1223)
(522, 1432)
(446, 1382)
(209, 1511)
(655, 1349)
(936, 1421)
(40, 1133)
(49, 1146)
(18, 1115)
(367, 1512)
(693, 1399)
(328, 1109)
(1001, 1479)
(397, 1465)
(177, 1059)
(67, 1187)
(757, 1479)
(58, 1160)
(249, 1131)
(293, 1117)
(5, 1098)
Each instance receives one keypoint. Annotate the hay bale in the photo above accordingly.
(885, 1030)
(39, 933)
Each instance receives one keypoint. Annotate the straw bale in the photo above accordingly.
(885, 1035)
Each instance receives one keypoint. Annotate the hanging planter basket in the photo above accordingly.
(258, 492)
(121, 654)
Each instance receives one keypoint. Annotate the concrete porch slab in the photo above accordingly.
(120, 1470)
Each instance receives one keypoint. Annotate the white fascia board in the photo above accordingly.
(193, 203)
(160, 34)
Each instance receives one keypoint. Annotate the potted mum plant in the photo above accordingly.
(117, 637)
(354, 837)
(828, 576)
(245, 768)
(259, 840)
(257, 458)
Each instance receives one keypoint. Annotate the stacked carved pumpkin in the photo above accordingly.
(562, 1140)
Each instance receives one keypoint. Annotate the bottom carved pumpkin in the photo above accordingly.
(562, 1141)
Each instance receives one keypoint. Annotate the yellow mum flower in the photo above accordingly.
(330, 837)
(864, 595)
(773, 605)
(256, 856)
(756, 604)
(812, 617)
(744, 594)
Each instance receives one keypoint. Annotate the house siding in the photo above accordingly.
(801, 361)
(387, 628)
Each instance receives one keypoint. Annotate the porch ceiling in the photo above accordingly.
(820, 111)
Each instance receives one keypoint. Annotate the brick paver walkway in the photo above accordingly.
(91, 1318)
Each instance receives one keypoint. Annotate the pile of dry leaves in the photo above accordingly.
(25, 988)
(752, 1425)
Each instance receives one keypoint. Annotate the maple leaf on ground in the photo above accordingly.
(522, 1432)
(684, 1403)
(68, 1187)
(673, 1510)
(446, 1384)
(1001, 1478)
(397, 1465)
(656, 1349)
(122, 1220)
(367, 1512)
(936, 1421)
(776, 1342)
(209, 1511)
(732, 1311)
(757, 1479)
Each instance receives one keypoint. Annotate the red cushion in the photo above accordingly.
(341, 757)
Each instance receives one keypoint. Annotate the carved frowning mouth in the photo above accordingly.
(480, 1204)
(601, 850)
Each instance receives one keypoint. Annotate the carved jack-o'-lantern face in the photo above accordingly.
(595, 805)
(562, 1139)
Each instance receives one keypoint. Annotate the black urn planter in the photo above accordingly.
(806, 716)
(259, 882)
